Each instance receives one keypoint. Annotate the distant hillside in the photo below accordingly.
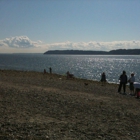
(74, 52)
(85, 52)
(125, 52)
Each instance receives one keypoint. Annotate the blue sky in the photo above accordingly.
(40, 25)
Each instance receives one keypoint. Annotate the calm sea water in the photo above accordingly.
(82, 66)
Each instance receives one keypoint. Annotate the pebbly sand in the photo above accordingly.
(37, 106)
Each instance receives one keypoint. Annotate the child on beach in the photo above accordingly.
(131, 81)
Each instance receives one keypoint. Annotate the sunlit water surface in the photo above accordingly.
(82, 66)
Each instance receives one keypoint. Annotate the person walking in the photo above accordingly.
(123, 82)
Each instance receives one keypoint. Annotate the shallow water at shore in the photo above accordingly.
(82, 66)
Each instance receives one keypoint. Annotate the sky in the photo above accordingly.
(36, 26)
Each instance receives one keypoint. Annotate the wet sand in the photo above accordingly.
(39, 106)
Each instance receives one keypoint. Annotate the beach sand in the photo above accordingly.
(39, 106)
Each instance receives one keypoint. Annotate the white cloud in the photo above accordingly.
(24, 44)
(19, 42)
(93, 45)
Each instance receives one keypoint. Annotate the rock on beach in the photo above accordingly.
(47, 106)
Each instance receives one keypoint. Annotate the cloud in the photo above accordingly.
(23, 44)
(19, 42)
(94, 45)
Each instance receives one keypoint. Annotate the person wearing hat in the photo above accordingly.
(123, 82)
(131, 85)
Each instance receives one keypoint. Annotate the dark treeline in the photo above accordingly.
(84, 52)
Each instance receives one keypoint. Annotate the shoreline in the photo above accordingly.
(92, 72)
(60, 75)
(34, 105)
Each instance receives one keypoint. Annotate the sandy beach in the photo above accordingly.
(37, 106)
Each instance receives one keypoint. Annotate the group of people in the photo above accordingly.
(134, 86)
(50, 69)
(123, 80)
(69, 75)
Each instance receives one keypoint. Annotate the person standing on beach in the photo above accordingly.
(45, 71)
(123, 82)
(131, 81)
(50, 70)
(103, 78)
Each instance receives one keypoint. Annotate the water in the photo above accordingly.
(82, 66)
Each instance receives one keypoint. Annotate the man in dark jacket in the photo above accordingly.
(123, 81)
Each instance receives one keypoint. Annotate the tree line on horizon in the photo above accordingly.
(87, 52)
